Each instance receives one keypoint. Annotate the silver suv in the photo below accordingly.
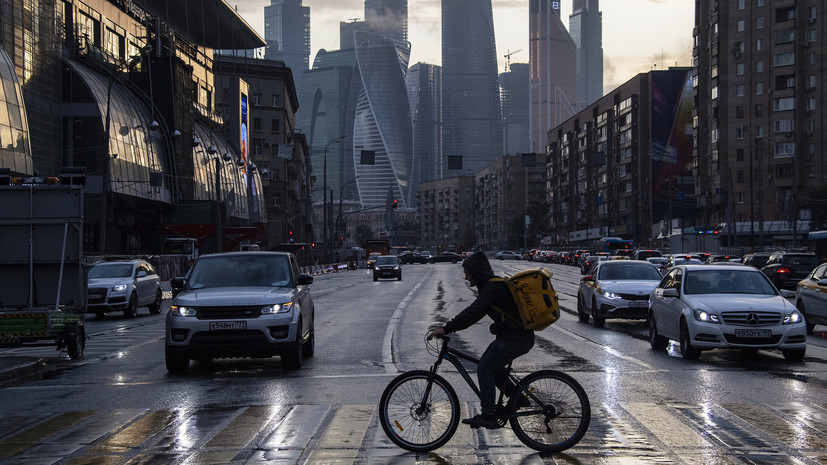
(123, 286)
(241, 304)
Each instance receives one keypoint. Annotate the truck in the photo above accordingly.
(375, 248)
(42, 280)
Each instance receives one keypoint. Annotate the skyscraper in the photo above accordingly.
(388, 18)
(472, 127)
(287, 32)
(553, 59)
(586, 28)
(424, 83)
(514, 95)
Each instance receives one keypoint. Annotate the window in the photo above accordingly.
(275, 100)
(759, 109)
(739, 155)
(786, 81)
(714, 92)
(739, 90)
(256, 99)
(739, 112)
(740, 25)
(812, 16)
(275, 126)
(739, 176)
(256, 124)
(783, 125)
(714, 71)
(741, 4)
(739, 69)
(783, 103)
(783, 59)
(740, 197)
(811, 82)
(759, 44)
(759, 66)
(759, 3)
(739, 133)
(759, 131)
(785, 14)
(785, 36)
(759, 88)
(811, 127)
(759, 22)
(714, 135)
(811, 58)
(811, 104)
(811, 35)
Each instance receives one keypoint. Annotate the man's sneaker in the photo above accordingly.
(482, 421)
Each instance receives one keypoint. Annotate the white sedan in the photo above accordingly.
(508, 255)
(617, 289)
(723, 306)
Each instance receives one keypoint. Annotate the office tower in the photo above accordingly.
(287, 32)
(514, 98)
(553, 59)
(759, 140)
(424, 83)
(382, 123)
(472, 127)
(388, 18)
(586, 28)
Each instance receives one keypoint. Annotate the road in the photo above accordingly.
(119, 405)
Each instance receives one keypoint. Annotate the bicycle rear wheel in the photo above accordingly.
(413, 422)
(562, 418)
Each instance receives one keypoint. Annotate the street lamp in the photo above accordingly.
(324, 194)
(107, 126)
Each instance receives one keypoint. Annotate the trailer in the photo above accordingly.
(42, 280)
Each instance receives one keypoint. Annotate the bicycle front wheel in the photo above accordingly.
(560, 419)
(413, 421)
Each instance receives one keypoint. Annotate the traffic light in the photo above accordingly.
(395, 203)
(290, 235)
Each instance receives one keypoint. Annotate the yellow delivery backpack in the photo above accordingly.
(535, 297)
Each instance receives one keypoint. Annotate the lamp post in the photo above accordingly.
(106, 134)
(324, 193)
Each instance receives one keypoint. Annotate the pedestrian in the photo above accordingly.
(511, 339)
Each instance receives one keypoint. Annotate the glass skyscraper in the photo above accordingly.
(586, 28)
(425, 97)
(472, 127)
(287, 32)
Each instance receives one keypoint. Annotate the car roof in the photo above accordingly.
(724, 266)
(248, 253)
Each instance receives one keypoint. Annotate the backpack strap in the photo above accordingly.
(501, 310)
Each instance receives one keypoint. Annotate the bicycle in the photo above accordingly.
(549, 410)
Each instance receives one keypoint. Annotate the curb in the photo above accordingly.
(21, 368)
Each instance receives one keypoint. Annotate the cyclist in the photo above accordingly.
(511, 339)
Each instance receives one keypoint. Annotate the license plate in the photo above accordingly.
(222, 325)
(638, 304)
(753, 332)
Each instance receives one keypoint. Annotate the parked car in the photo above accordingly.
(447, 257)
(756, 259)
(715, 306)
(786, 269)
(387, 266)
(617, 289)
(811, 297)
(241, 304)
(123, 286)
(508, 255)
(412, 257)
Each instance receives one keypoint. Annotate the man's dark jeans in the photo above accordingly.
(493, 360)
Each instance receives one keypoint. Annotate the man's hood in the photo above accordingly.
(478, 267)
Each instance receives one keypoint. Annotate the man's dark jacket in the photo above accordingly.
(491, 294)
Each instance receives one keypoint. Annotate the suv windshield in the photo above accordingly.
(240, 270)
(119, 270)
(387, 261)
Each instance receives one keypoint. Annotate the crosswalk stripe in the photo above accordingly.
(244, 428)
(348, 427)
(796, 436)
(287, 442)
(40, 432)
(137, 432)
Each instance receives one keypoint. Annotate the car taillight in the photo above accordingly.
(783, 269)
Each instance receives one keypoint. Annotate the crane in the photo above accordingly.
(508, 58)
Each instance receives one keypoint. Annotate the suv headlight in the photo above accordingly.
(793, 318)
(276, 308)
(120, 287)
(706, 317)
(182, 311)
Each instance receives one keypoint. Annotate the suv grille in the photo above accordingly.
(750, 318)
(221, 313)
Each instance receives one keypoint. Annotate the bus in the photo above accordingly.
(614, 246)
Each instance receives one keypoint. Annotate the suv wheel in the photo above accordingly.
(155, 307)
(132, 309)
(293, 360)
(688, 352)
(598, 321)
(176, 361)
(309, 348)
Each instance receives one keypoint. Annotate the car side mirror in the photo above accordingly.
(304, 279)
(178, 282)
(822, 282)
(141, 274)
(670, 292)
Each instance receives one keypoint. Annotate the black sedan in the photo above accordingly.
(447, 257)
(387, 266)
(412, 257)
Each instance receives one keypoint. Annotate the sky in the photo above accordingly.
(638, 35)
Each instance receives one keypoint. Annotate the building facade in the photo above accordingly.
(624, 164)
(586, 28)
(446, 213)
(136, 111)
(760, 112)
(287, 32)
(514, 97)
(472, 127)
(553, 60)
